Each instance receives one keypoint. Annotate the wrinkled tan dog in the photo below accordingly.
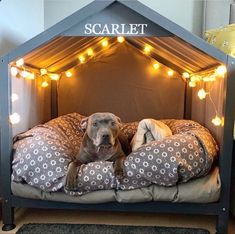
(102, 141)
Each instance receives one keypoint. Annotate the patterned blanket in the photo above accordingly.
(42, 155)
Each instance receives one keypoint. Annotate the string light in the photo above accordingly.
(170, 73)
(105, 43)
(192, 84)
(217, 121)
(14, 97)
(20, 62)
(202, 94)
(68, 74)
(30, 76)
(147, 49)
(44, 84)
(82, 59)
(43, 71)
(155, 66)
(209, 78)
(120, 39)
(14, 118)
(24, 74)
(14, 71)
(185, 75)
(221, 70)
(90, 52)
(54, 76)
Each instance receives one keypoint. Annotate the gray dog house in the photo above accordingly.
(121, 57)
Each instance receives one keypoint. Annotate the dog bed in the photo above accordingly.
(42, 155)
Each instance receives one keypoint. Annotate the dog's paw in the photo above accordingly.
(71, 182)
(119, 172)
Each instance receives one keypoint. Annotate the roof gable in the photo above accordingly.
(130, 10)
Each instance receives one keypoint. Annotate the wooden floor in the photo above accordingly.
(23, 216)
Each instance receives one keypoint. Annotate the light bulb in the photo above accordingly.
(209, 78)
(221, 70)
(90, 52)
(82, 59)
(43, 71)
(155, 66)
(54, 76)
(147, 49)
(202, 94)
(192, 84)
(170, 73)
(68, 74)
(185, 75)
(217, 121)
(120, 39)
(14, 97)
(24, 74)
(14, 71)
(20, 62)
(105, 43)
(195, 78)
(44, 84)
(14, 118)
(30, 76)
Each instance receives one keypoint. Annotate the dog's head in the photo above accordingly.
(102, 128)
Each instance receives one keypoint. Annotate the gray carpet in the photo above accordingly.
(103, 229)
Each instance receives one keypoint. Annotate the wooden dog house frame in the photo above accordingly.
(120, 12)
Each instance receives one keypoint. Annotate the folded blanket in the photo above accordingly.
(149, 130)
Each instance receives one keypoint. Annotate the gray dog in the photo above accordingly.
(102, 141)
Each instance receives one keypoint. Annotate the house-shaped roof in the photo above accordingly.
(173, 46)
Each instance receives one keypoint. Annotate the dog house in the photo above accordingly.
(120, 57)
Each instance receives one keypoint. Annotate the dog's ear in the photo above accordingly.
(83, 123)
(118, 119)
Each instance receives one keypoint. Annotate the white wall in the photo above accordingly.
(19, 22)
(186, 13)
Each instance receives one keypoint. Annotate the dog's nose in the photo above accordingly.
(105, 136)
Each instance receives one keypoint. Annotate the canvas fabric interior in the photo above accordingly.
(119, 79)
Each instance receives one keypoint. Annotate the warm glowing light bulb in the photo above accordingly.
(105, 43)
(170, 73)
(217, 121)
(192, 84)
(202, 94)
(155, 66)
(44, 84)
(14, 118)
(24, 74)
(185, 75)
(82, 59)
(147, 49)
(31, 76)
(20, 62)
(54, 76)
(14, 71)
(43, 71)
(14, 97)
(90, 52)
(221, 70)
(120, 39)
(68, 74)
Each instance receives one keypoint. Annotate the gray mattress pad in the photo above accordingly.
(201, 190)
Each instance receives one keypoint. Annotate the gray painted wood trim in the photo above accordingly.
(6, 136)
(226, 151)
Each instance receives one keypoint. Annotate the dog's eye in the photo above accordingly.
(94, 124)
